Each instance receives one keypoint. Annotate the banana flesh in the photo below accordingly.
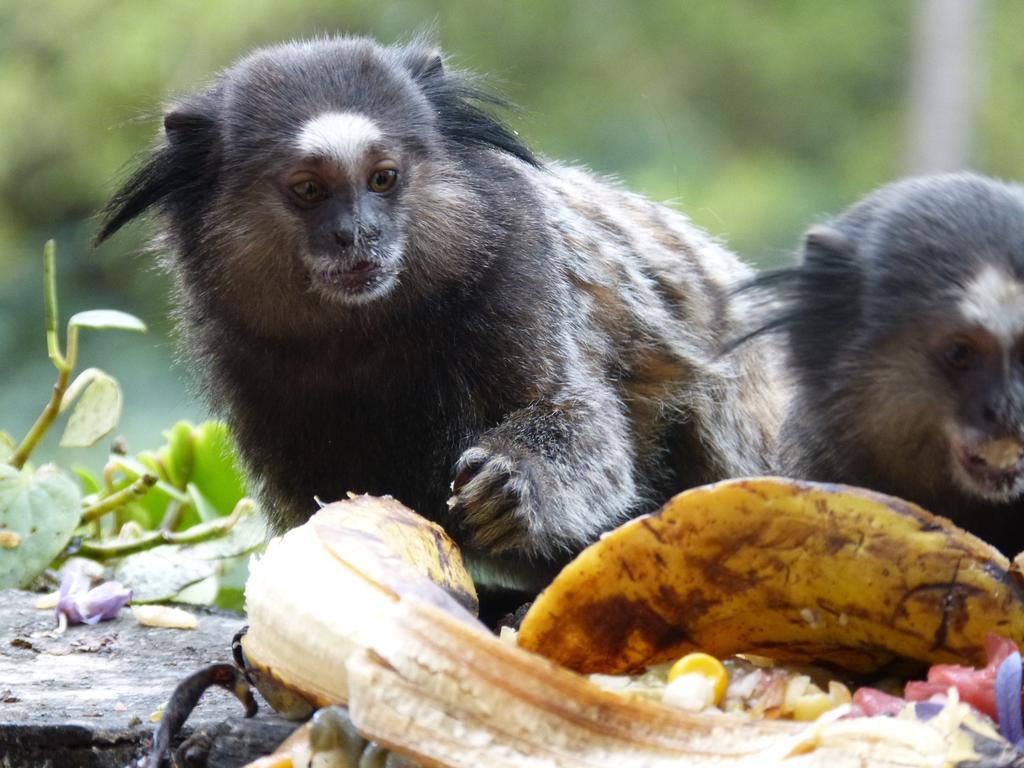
(793, 570)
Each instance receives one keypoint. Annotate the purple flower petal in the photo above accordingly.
(81, 605)
(1008, 706)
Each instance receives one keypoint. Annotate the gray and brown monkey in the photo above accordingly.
(383, 290)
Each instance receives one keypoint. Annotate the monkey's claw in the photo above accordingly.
(495, 497)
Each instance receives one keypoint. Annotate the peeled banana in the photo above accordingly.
(793, 570)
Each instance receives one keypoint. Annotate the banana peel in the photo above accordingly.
(433, 690)
(798, 571)
(315, 590)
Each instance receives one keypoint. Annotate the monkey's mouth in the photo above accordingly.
(992, 469)
(357, 280)
(356, 276)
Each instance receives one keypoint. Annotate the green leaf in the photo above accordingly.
(143, 462)
(89, 482)
(38, 513)
(201, 593)
(216, 470)
(95, 414)
(154, 503)
(231, 599)
(235, 573)
(162, 572)
(136, 512)
(107, 318)
(165, 571)
(203, 507)
(178, 455)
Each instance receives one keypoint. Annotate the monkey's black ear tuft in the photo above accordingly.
(178, 173)
(464, 117)
(815, 303)
(821, 303)
(179, 121)
(424, 63)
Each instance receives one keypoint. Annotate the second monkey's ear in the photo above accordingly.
(424, 62)
(822, 300)
(824, 243)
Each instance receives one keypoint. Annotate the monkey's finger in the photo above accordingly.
(471, 462)
(489, 480)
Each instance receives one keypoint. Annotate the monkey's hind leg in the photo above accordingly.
(548, 480)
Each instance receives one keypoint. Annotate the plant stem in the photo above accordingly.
(172, 517)
(104, 550)
(50, 298)
(43, 423)
(71, 358)
(52, 409)
(118, 499)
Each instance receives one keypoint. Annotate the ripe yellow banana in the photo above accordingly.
(793, 570)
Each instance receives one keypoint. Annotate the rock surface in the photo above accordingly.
(84, 699)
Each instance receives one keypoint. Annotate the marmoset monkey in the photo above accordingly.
(385, 291)
(905, 323)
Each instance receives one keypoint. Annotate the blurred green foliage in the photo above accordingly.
(755, 117)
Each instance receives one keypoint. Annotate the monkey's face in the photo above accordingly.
(944, 395)
(325, 158)
(983, 362)
(341, 195)
(325, 185)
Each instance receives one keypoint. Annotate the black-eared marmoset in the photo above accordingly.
(905, 324)
(385, 291)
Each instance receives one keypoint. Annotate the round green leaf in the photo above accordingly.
(95, 414)
(39, 511)
(161, 573)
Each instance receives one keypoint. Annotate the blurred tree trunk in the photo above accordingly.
(946, 77)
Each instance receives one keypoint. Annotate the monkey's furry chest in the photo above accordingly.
(393, 427)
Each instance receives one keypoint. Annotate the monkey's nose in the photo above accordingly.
(344, 236)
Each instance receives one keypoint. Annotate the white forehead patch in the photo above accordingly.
(341, 136)
(995, 301)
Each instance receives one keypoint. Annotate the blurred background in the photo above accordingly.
(755, 118)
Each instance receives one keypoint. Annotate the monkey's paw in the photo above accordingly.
(497, 498)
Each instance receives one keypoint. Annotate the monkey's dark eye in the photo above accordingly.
(960, 354)
(309, 191)
(382, 180)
